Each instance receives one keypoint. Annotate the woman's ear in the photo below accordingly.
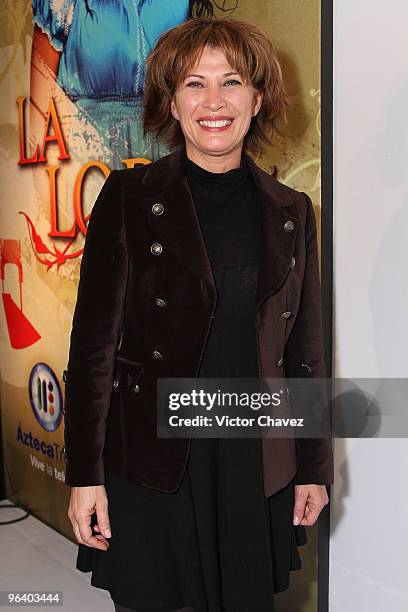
(173, 109)
(258, 97)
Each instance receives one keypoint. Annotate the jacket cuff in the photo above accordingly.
(85, 474)
(315, 461)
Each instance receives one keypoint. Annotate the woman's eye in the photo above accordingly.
(193, 83)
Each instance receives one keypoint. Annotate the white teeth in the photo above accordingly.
(215, 123)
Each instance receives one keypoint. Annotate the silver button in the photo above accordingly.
(156, 248)
(135, 389)
(286, 315)
(157, 209)
(305, 365)
(293, 262)
(279, 363)
(157, 354)
(289, 225)
(160, 302)
(115, 383)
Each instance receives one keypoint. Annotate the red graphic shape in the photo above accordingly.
(21, 332)
(57, 257)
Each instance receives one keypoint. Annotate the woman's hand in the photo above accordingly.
(83, 503)
(310, 500)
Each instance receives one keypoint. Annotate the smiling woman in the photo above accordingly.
(206, 266)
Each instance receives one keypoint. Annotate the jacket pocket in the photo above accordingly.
(127, 375)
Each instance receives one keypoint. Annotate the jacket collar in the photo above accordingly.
(177, 229)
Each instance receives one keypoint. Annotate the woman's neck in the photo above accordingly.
(215, 163)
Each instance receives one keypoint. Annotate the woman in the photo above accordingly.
(97, 50)
(197, 264)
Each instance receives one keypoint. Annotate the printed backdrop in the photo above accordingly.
(71, 111)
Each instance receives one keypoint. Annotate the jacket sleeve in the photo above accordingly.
(304, 357)
(95, 334)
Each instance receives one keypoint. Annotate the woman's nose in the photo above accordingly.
(214, 98)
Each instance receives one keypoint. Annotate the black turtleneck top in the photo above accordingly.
(227, 210)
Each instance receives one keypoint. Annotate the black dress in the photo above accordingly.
(217, 543)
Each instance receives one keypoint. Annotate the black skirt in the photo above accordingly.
(217, 543)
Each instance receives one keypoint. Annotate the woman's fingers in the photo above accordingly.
(309, 502)
(85, 530)
(311, 515)
(102, 517)
(75, 529)
(99, 535)
(300, 503)
(79, 533)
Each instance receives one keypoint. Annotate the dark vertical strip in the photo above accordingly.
(44, 396)
(2, 480)
(326, 85)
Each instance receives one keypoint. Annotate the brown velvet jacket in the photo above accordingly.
(110, 381)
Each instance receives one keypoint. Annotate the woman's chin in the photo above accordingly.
(214, 146)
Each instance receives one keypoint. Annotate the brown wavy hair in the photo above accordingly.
(247, 49)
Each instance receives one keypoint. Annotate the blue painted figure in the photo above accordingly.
(103, 45)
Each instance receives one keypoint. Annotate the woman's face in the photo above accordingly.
(215, 92)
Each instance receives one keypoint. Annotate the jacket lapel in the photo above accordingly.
(277, 244)
(178, 230)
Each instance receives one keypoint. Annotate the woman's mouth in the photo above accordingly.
(216, 125)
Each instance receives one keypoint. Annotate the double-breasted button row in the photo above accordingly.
(288, 227)
(157, 209)
(161, 304)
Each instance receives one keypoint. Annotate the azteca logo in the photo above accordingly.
(45, 396)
